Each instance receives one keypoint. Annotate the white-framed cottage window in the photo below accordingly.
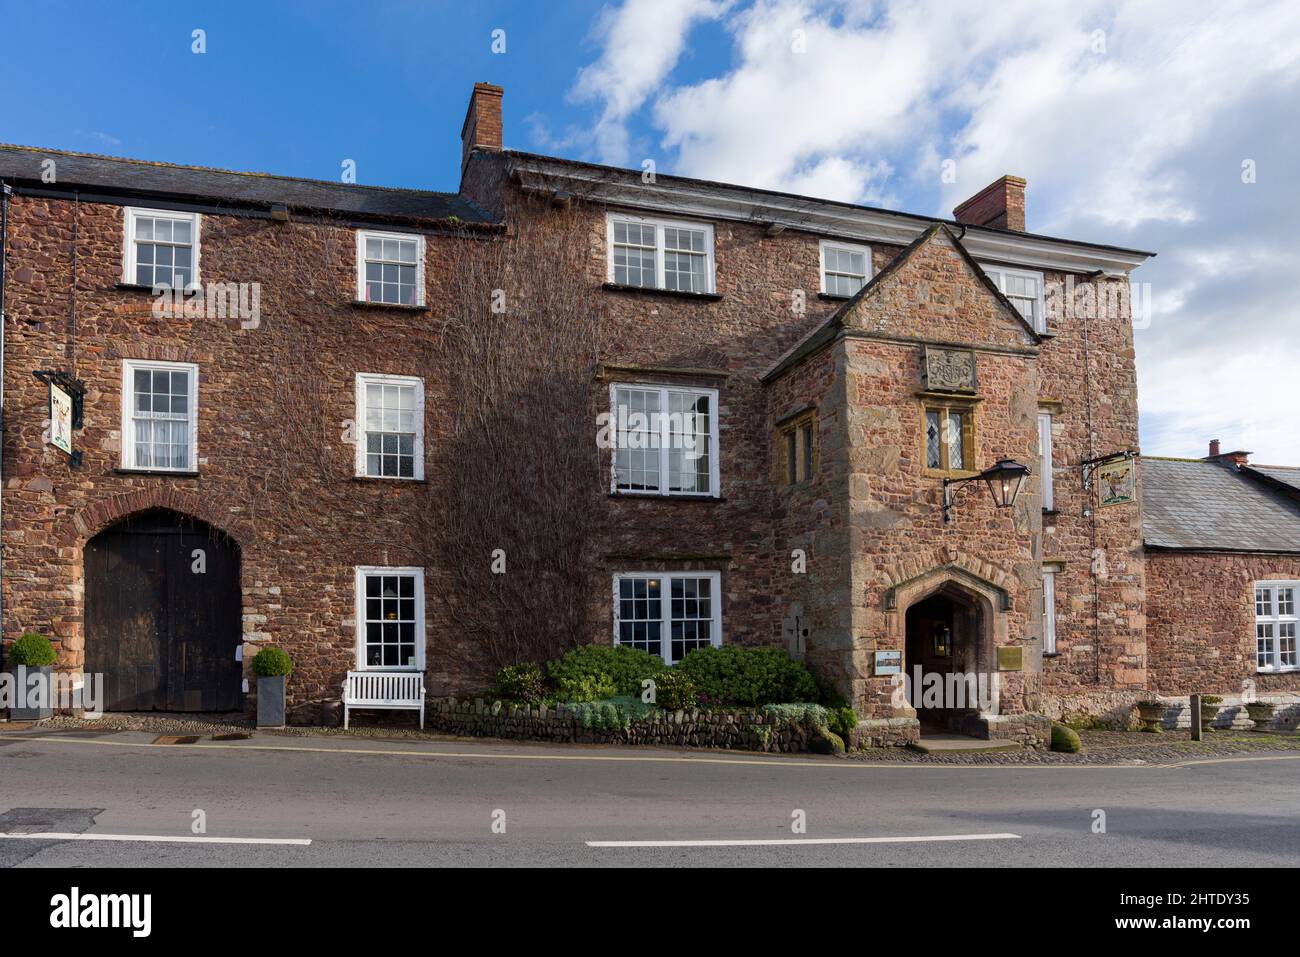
(160, 415)
(1049, 611)
(845, 267)
(668, 614)
(161, 247)
(390, 413)
(390, 618)
(1024, 288)
(390, 268)
(1275, 625)
(665, 440)
(659, 253)
(1045, 459)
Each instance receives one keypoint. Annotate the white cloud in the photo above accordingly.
(641, 42)
(1129, 119)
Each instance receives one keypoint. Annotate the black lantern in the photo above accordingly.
(1004, 480)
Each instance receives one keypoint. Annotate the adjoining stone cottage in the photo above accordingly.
(836, 363)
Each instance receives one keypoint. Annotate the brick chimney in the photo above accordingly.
(482, 128)
(1000, 203)
(1237, 458)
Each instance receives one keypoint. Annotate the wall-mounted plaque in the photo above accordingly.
(1115, 482)
(949, 370)
(1011, 658)
(889, 662)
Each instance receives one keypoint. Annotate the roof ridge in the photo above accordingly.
(217, 169)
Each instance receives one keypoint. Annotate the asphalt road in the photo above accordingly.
(118, 800)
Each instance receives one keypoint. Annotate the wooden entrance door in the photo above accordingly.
(163, 615)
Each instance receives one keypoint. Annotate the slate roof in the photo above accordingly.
(1208, 506)
(200, 184)
(1288, 475)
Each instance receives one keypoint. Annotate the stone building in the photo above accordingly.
(796, 387)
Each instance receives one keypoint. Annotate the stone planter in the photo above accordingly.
(1261, 713)
(1151, 714)
(270, 702)
(44, 701)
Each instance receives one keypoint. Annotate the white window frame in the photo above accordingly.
(999, 276)
(1045, 460)
(1049, 610)
(131, 213)
(665, 634)
(1275, 619)
(127, 458)
(362, 572)
(364, 379)
(659, 225)
(362, 236)
(847, 247)
(715, 475)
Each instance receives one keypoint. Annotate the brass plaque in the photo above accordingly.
(1011, 658)
(950, 370)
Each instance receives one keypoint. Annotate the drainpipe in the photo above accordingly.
(4, 258)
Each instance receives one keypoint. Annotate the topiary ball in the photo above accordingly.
(1065, 739)
(33, 650)
(271, 662)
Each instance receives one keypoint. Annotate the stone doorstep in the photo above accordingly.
(946, 743)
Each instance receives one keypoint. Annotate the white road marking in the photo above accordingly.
(151, 838)
(782, 842)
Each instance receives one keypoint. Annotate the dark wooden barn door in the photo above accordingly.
(163, 615)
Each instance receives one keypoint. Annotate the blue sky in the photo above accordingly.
(1131, 121)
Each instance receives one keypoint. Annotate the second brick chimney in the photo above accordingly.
(1000, 204)
(482, 128)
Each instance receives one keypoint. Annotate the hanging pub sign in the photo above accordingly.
(60, 418)
(1116, 482)
(65, 402)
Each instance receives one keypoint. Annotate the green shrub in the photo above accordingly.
(675, 690)
(594, 687)
(1207, 699)
(271, 662)
(808, 716)
(618, 665)
(33, 650)
(842, 720)
(736, 675)
(1065, 739)
(524, 683)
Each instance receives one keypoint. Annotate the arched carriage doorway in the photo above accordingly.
(163, 621)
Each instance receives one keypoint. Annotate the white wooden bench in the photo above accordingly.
(384, 690)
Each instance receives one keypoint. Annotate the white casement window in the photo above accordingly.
(160, 415)
(390, 618)
(1025, 290)
(1049, 611)
(161, 247)
(390, 268)
(1045, 459)
(1275, 625)
(665, 440)
(390, 413)
(668, 615)
(659, 253)
(845, 268)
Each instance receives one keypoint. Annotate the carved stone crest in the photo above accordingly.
(949, 370)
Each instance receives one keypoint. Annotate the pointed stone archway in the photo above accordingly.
(949, 623)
